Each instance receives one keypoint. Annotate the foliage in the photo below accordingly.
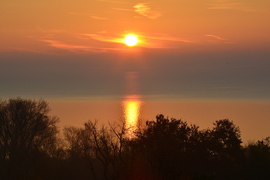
(258, 159)
(26, 132)
(165, 148)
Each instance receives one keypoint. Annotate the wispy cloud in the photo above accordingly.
(166, 37)
(215, 37)
(61, 45)
(90, 15)
(99, 18)
(122, 9)
(230, 5)
(77, 48)
(144, 10)
(104, 37)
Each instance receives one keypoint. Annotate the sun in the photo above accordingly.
(131, 40)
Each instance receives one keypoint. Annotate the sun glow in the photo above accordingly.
(131, 114)
(131, 40)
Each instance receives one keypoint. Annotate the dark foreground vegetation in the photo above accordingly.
(32, 148)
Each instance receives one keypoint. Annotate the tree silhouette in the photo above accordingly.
(99, 148)
(172, 149)
(226, 137)
(225, 149)
(258, 160)
(165, 146)
(163, 149)
(26, 132)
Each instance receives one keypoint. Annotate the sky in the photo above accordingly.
(200, 51)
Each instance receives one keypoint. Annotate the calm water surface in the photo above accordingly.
(136, 103)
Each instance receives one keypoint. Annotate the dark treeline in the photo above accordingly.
(32, 148)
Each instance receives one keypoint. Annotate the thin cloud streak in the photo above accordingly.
(219, 39)
(104, 38)
(122, 9)
(90, 15)
(99, 18)
(144, 10)
(78, 48)
(164, 37)
(215, 37)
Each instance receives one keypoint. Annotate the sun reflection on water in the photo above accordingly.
(131, 113)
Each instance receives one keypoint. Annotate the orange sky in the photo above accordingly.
(97, 25)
